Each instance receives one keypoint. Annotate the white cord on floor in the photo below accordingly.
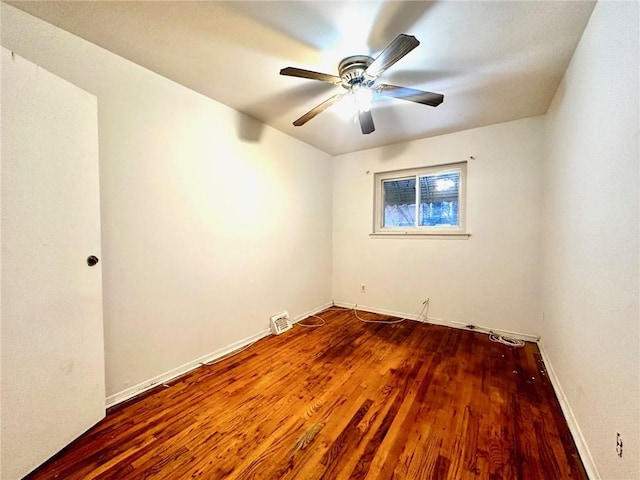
(510, 341)
(314, 325)
(355, 311)
(422, 315)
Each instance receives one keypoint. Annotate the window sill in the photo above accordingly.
(439, 235)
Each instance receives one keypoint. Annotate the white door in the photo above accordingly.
(52, 352)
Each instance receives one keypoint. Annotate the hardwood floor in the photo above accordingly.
(347, 400)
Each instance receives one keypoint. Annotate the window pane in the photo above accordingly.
(399, 202)
(421, 201)
(439, 198)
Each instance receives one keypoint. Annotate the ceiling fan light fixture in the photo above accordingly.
(362, 96)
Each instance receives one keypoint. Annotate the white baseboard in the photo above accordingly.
(381, 311)
(528, 337)
(574, 428)
(446, 323)
(142, 387)
(165, 377)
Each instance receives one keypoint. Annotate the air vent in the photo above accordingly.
(280, 323)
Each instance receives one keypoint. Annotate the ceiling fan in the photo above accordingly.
(358, 75)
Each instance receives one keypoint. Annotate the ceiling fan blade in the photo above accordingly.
(366, 121)
(410, 94)
(319, 109)
(299, 72)
(397, 49)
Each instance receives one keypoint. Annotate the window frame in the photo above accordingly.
(441, 230)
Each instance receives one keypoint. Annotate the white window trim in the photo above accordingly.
(426, 231)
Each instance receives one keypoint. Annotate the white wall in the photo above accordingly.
(211, 222)
(491, 279)
(591, 219)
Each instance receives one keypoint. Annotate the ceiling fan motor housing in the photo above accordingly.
(352, 71)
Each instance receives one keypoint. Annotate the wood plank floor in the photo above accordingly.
(347, 400)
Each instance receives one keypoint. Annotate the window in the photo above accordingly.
(429, 200)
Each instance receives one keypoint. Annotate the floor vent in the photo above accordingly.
(280, 323)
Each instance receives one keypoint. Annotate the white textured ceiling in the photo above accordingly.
(493, 61)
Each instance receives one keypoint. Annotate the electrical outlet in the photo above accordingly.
(363, 288)
(619, 445)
